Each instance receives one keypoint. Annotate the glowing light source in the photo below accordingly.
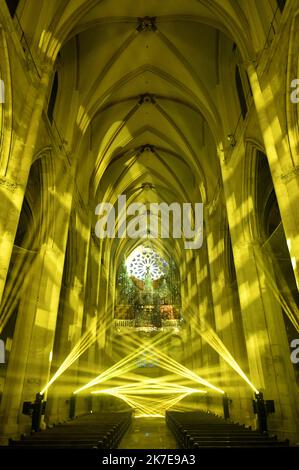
(149, 416)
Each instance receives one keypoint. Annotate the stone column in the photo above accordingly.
(226, 325)
(285, 171)
(11, 402)
(33, 341)
(71, 318)
(266, 343)
(205, 308)
(13, 182)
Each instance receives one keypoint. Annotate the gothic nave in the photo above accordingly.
(149, 223)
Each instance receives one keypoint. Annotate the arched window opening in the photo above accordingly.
(267, 205)
(12, 6)
(52, 100)
(29, 231)
(272, 217)
(24, 227)
(241, 93)
(249, 85)
(230, 261)
(281, 4)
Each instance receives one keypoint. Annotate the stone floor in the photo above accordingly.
(148, 433)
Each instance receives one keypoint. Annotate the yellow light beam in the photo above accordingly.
(213, 339)
(117, 369)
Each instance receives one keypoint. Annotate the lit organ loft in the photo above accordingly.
(148, 292)
(163, 102)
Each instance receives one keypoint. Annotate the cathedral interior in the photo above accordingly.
(145, 341)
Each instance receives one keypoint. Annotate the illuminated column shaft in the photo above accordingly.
(204, 355)
(205, 307)
(91, 307)
(93, 300)
(270, 367)
(109, 313)
(95, 311)
(63, 346)
(11, 402)
(29, 364)
(283, 165)
(102, 304)
(69, 325)
(92, 297)
(100, 308)
(226, 311)
(200, 301)
(187, 305)
(106, 311)
(193, 301)
(13, 178)
(288, 409)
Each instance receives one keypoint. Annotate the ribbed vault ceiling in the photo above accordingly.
(146, 73)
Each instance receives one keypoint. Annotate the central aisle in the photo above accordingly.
(148, 433)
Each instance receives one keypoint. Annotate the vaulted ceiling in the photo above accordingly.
(139, 86)
(148, 108)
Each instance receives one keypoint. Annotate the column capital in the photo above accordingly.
(250, 61)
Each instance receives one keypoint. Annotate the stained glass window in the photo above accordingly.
(144, 262)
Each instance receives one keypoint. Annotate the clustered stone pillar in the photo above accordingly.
(225, 312)
(13, 179)
(284, 169)
(266, 341)
(33, 342)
